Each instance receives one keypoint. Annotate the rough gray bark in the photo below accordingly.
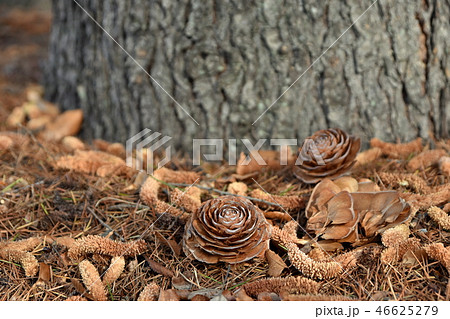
(227, 61)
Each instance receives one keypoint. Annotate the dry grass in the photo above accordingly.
(46, 202)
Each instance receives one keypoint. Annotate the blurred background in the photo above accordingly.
(24, 36)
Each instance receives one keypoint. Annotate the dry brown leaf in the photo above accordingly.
(168, 295)
(160, 269)
(45, 273)
(179, 283)
(414, 257)
(276, 264)
(172, 244)
(228, 295)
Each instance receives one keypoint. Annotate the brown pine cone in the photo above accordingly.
(327, 153)
(348, 211)
(229, 229)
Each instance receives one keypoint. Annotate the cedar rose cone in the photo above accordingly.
(229, 229)
(327, 153)
(348, 211)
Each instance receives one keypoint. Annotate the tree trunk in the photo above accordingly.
(225, 62)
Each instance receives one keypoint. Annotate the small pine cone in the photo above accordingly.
(327, 153)
(229, 229)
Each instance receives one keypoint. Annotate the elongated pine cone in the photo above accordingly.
(341, 211)
(229, 229)
(327, 153)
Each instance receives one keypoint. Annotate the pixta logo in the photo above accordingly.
(144, 145)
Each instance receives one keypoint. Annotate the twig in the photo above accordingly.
(22, 188)
(123, 206)
(104, 224)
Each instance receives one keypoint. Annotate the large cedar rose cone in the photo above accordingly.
(326, 154)
(229, 229)
(348, 211)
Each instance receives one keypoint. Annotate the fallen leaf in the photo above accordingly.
(276, 264)
(412, 258)
(178, 282)
(168, 295)
(200, 298)
(45, 273)
(172, 244)
(160, 269)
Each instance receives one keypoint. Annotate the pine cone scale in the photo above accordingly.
(337, 214)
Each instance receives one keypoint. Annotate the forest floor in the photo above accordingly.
(45, 206)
